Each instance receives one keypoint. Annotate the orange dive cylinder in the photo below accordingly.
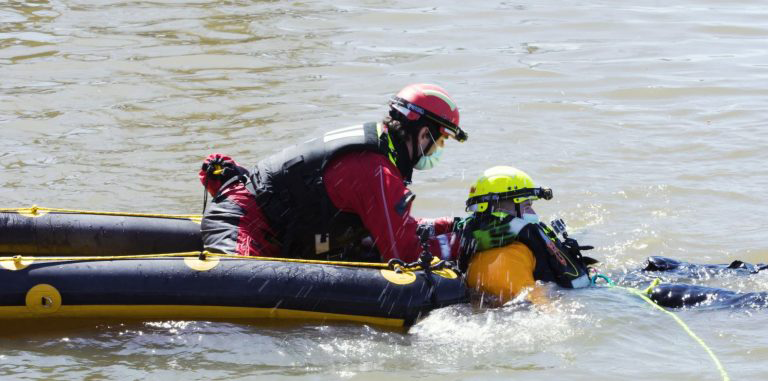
(502, 272)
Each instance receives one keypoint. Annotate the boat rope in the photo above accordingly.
(202, 255)
(35, 210)
(644, 294)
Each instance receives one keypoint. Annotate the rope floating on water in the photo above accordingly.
(643, 294)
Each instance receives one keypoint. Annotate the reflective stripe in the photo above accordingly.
(442, 96)
(402, 110)
(343, 134)
(344, 129)
(393, 245)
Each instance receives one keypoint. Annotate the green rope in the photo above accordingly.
(643, 294)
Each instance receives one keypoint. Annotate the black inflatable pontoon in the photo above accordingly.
(96, 273)
(42, 231)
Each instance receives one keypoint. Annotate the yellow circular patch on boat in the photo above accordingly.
(43, 299)
(195, 263)
(403, 278)
(446, 273)
(15, 263)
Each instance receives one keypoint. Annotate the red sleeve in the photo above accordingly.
(369, 185)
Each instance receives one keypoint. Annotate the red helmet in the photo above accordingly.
(432, 102)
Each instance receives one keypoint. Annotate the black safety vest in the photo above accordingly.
(554, 262)
(290, 190)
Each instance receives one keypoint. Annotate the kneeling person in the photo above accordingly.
(515, 249)
(340, 196)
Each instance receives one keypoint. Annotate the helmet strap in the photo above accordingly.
(415, 154)
(416, 150)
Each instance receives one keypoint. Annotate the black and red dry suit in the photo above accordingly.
(342, 196)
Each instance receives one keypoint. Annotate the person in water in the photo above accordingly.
(514, 249)
(679, 289)
(340, 196)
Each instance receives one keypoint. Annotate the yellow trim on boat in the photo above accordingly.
(15, 263)
(39, 211)
(190, 254)
(187, 312)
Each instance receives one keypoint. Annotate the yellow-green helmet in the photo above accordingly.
(503, 183)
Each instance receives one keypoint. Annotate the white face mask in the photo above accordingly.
(531, 218)
(429, 161)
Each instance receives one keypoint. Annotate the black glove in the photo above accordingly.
(467, 249)
(222, 167)
(575, 249)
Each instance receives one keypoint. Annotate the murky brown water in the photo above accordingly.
(647, 118)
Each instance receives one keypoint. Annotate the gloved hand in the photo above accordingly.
(497, 232)
(216, 170)
(445, 246)
(467, 249)
(575, 249)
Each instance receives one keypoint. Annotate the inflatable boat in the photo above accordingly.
(69, 264)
